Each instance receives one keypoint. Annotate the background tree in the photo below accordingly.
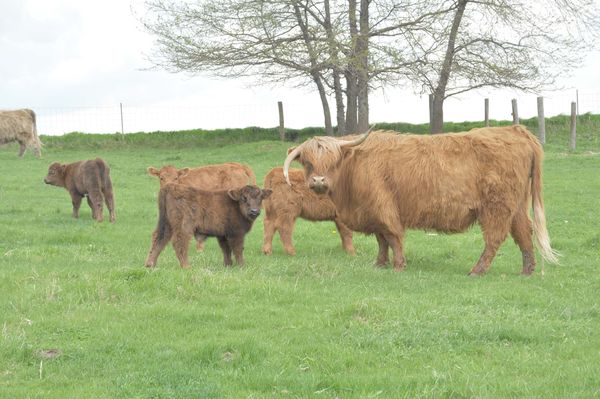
(503, 43)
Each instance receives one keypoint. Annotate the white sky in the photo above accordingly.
(57, 56)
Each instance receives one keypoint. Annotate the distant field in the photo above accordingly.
(320, 324)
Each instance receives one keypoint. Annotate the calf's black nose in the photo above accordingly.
(254, 212)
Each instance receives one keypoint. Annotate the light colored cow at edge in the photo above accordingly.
(20, 126)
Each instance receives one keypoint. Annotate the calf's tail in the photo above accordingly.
(539, 217)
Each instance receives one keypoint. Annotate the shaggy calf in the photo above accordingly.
(20, 126)
(90, 179)
(287, 203)
(184, 212)
(210, 177)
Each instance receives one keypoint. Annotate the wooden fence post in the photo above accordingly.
(487, 112)
(541, 120)
(281, 124)
(573, 142)
(515, 111)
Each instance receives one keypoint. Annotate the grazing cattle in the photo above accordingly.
(290, 202)
(89, 179)
(20, 126)
(385, 183)
(211, 177)
(185, 211)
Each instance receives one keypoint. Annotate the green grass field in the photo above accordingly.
(82, 318)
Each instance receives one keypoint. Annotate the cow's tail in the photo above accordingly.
(163, 222)
(539, 217)
(104, 173)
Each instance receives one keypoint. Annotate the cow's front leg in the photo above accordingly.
(224, 244)
(237, 245)
(76, 201)
(22, 148)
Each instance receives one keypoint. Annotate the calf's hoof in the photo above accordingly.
(267, 251)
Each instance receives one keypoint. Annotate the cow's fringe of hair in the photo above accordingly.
(539, 217)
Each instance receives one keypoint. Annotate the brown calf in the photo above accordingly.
(211, 177)
(90, 179)
(184, 212)
(287, 203)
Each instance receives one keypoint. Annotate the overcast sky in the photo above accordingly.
(61, 54)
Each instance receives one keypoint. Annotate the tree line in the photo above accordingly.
(347, 49)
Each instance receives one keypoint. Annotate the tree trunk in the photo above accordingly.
(350, 73)
(351, 103)
(337, 85)
(362, 47)
(325, 104)
(439, 94)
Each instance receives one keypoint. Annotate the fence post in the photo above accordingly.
(515, 111)
(121, 106)
(573, 142)
(541, 120)
(281, 124)
(487, 112)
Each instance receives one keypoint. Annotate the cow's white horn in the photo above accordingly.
(358, 140)
(286, 165)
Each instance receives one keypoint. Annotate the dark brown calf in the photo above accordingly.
(89, 179)
(287, 203)
(184, 212)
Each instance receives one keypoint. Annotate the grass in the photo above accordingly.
(320, 324)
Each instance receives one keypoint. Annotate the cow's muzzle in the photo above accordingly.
(253, 213)
(318, 184)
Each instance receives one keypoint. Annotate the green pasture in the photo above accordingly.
(81, 317)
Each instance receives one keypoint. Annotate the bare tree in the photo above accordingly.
(504, 43)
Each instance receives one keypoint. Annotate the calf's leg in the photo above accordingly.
(76, 201)
(22, 148)
(110, 204)
(224, 244)
(200, 238)
(286, 230)
(237, 245)
(95, 202)
(181, 241)
(269, 231)
(158, 244)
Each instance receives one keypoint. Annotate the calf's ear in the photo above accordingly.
(152, 171)
(182, 172)
(234, 194)
(266, 193)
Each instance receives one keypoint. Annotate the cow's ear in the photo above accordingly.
(152, 171)
(266, 193)
(63, 167)
(183, 172)
(234, 194)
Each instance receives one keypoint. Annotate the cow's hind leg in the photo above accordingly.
(495, 226)
(224, 244)
(200, 238)
(346, 235)
(395, 241)
(384, 249)
(181, 242)
(521, 231)
(157, 246)
(110, 204)
(269, 232)
(237, 245)
(76, 201)
(286, 230)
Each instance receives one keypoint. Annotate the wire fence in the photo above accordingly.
(130, 118)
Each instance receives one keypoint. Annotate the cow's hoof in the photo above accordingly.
(475, 274)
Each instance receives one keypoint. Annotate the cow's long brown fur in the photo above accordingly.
(287, 203)
(20, 126)
(393, 182)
